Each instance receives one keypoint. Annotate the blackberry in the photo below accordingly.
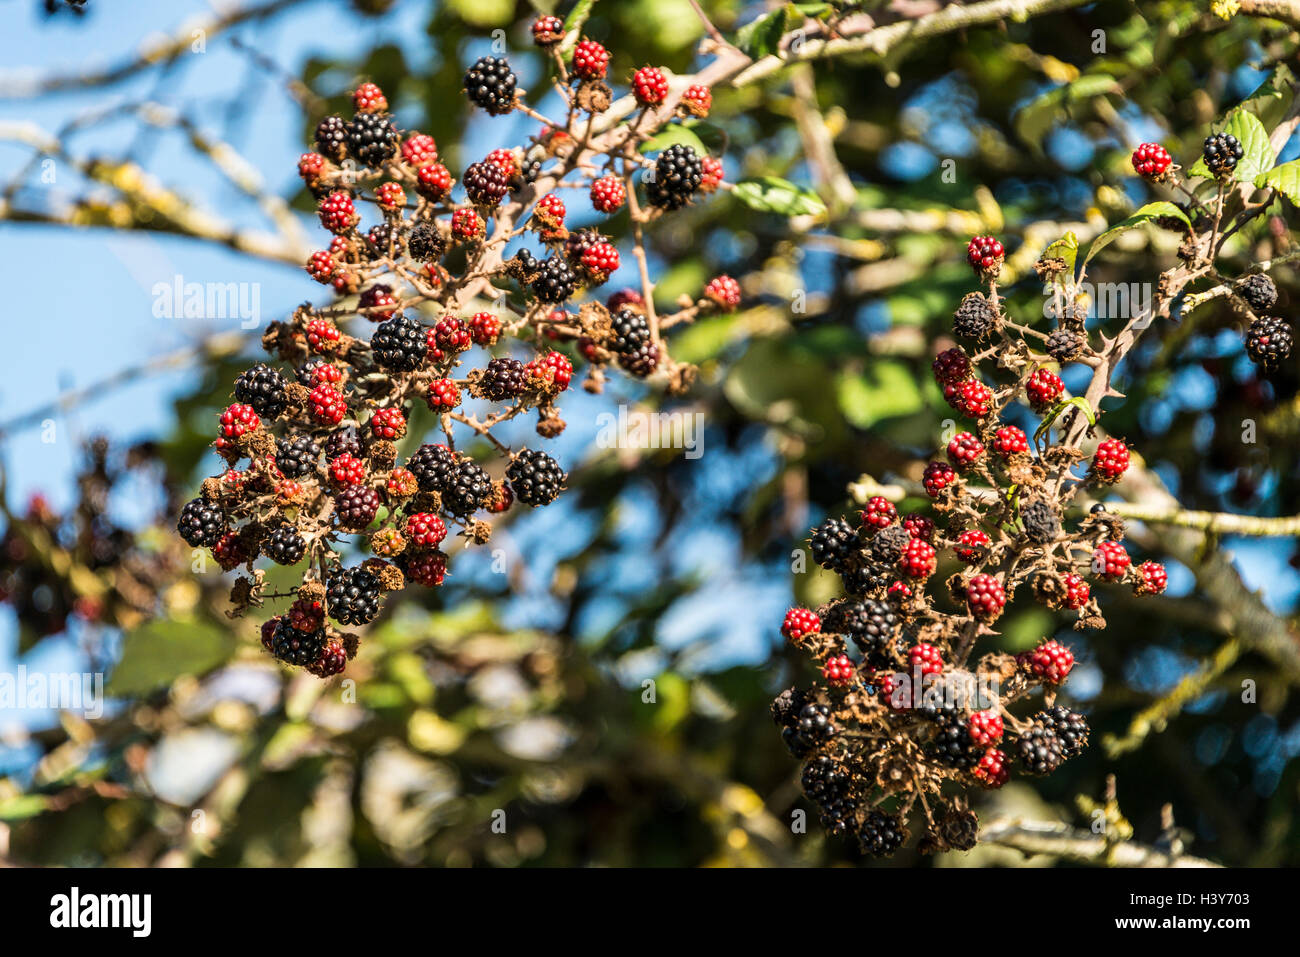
(332, 138)
(385, 239)
(870, 625)
(1064, 345)
(555, 280)
(888, 545)
(333, 658)
(959, 829)
(642, 362)
(579, 241)
(296, 647)
(263, 388)
(952, 744)
(678, 174)
(503, 378)
(1221, 153)
(881, 833)
(1040, 749)
(201, 523)
(860, 578)
(372, 138)
(1259, 292)
(307, 372)
(352, 596)
(829, 785)
(433, 466)
(425, 242)
(1070, 727)
(633, 342)
(490, 84)
(1268, 342)
(285, 546)
(1042, 522)
(833, 543)
(974, 318)
(814, 723)
(535, 477)
(486, 183)
(469, 490)
(399, 344)
(355, 507)
(787, 705)
(346, 441)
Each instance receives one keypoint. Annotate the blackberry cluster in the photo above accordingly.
(503, 378)
(491, 85)
(871, 625)
(469, 490)
(535, 477)
(1064, 345)
(634, 342)
(263, 388)
(1268, 342)
(201, 523)
(881, 833)
(356, 506)
(829, 785)
(434, 467)
(1070, 728)
(833, 542)
(296, 647)
(372, 138)
(399, 344)
(556, 281)
(1221, 153)
(860, 578)
(332, 138)
(285, 546)
(344, 441)
(297, 456)
(678, 173)
(975, 317)
(385, 240)
(951, 744)
(352, 596)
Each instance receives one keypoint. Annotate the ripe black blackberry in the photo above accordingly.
(860, 579)
(1064, 345)
(385, 239)
(355, 507)
(1259, 291)
(425, 243)
(285, 546)
(503, 378)
(332, 138)
(833, 542)
(434, 467)
(296, 647)
(490, 84)
(871, 625)
(1268, 342)
(469, 490)
(829, 785)
(535, 477)
(201, 523)
(1221, 153)
(555, 281)
(974, 318)
(951, 745)
(678, 173)
(1070, 727)
(1042, 522)
(641, 362)
(631, 331)
(888, 544)
(815, 724)
(881, 833)
(486, 183)
(352, 596)
(263, 388)
(399, 344)
(344, 441)
(372, 138)
(1040, 749)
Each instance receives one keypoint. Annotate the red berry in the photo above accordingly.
(1111, 460)
(306, 615)
(401, 484)
(698, 100)
(1043, 389)
(1151, 160)
(1154, 579)
(368, 98)
(971, 398)
(450, 336)
(237, 420)
(502, 498)
(337, 214)
(484, 328)
(879, 513)
(600, 260)
(552, 368)
(347, 469)
(927, 658)
(433, 181)
(624, 297)
(985, 597)
(985, 253)
(373, 303)
(711, 174)
(549, 213)
(320, 266)
(937, 477)
(427, 568)
(419, 150)
(992, 769)
(899, 591)
(1009, 441)
(391, 196)
(230, 552)
(800, 622)
(838, 670)
(590, 60)
(649, 86)
(918, 559)
(972, 545)
(723, 291)
(964, 450)
(327, 404)
(985, 727)
(1051, 662)
(951, 366)
(388, 423)
(919, 526)
(320, 333)
(608, 194)
(443, 395)
(466, 225)
(548, 31)
(1076, 592)
(1110, 561)
(310, 167)
(425, 529)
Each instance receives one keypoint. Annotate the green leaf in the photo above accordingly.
(771, 194)
(159, 652)
(1272, 97)
(1285, 179)
(703, 340)
(22, 806)
(1144, 215)
(573, 24)
(484, 13)
(1036, 118)
(1257, 152)
(1078, 401)
(1067, 248)
(884, 390)
(671, 135)
(762, 37)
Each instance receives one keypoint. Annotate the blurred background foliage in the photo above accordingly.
(607, 697)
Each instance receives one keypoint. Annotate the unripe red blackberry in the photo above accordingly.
(985, 254)
(799, 623)
(1010, 441)
(230, 551)
(1110, 461)
(502, 498)
(372, 138)
(1076, 592)
(1041, 521)
(985, 727)
(879, 512)
(390, 197)
(449, 336)
(425, 568)
(899, 592)
(937, 477)
(975, 317)
(305, 614)
(535, 477)
(484, 328)
(925, 657)
(833, 542)
(723, 291)
(399, 344)
(355, 507)
(951, 366)
(971, 398)
(547, 31)
(918, 559)
(985, 597)
(201, 523)
(590, 60)
(401, 484)
(491, 85)
(433, 181)
(285, 546)
(1268, 342)
(310, 168)
(1110, 561)
(337, 213)
(376, 302)
(332, 138)
(443, 395)
(321, 334)
(333, 659)
(1051, 662)
(964, 450)
(369, 98)
(972, 545)
(236, 421)
(991, 770)
(1151, 160)
(1259, 291)
(321, 266)
(1154, 579)
(839, 670)
(425, 529)
(608, 194)
(1221, 153)
(550, 371)
(352, 596)
(649, 86)
(599, 261)
(548, 214)
(388, 423)
(467, 225)
(347, 469)
(418, 150)
(502, 378)
(677, 176)
(1043, 388)
(697, 100)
